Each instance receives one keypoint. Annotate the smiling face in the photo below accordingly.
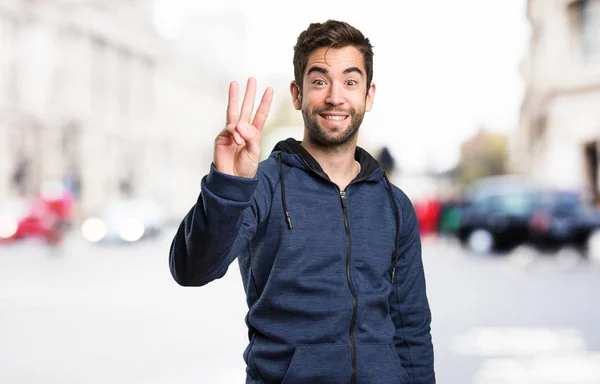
(334, 97)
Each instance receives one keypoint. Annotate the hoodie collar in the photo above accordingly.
(368, 164)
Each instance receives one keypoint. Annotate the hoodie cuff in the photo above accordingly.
(234, 188)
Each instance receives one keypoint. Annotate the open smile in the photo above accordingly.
(333, 118)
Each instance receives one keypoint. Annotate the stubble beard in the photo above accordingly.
(319, 136)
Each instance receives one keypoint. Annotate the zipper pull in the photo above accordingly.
(393, 275)
(343, 196)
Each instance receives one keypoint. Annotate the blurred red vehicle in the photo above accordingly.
(428, 215)
(45, 216)
(22, 218)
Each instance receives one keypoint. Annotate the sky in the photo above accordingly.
(442, 68)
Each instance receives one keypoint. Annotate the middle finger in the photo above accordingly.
(248, 103)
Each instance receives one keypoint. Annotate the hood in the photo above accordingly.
(368, 164)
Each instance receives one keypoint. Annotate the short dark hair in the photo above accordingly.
(330, 34)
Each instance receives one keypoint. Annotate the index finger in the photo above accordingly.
(232, 104)
(263, 109)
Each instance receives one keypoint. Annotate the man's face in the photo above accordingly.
(334, 97)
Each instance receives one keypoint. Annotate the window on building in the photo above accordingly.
(590, 27)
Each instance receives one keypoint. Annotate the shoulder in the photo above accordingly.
(405, 205)
(408, 215)
(269, 167)
(400, 195)
(268, 172)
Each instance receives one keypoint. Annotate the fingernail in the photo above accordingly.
(238, 139)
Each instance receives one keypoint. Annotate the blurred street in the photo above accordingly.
(486, 116)
(112, 314)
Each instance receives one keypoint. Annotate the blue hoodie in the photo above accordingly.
(334, 279)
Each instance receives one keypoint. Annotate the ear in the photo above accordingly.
(370, 97)
(296, 95)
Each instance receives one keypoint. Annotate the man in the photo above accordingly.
(329, 250)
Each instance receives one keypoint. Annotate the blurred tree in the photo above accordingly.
(484, 154)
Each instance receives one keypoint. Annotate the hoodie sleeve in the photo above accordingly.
(218, 227)
(408, 301)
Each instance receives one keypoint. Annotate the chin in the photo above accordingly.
(333, 140)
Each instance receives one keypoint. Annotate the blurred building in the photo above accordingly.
(76, 95)
(191, 100)
(90, 94)
(559, 133)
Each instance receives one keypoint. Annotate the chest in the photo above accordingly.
(332, 234)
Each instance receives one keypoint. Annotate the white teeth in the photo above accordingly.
(336, 118)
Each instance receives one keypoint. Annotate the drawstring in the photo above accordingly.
(288, 219)
(397, 212)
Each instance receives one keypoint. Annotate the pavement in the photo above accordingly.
(112, 314)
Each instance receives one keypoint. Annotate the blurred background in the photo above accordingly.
(487, 114)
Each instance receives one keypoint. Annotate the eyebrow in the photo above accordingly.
(325, 71)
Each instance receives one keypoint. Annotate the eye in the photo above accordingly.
(318, 82)
(351, 82)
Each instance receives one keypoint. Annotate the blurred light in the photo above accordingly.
(93, 229)
(594, 247)
(8, 227)
(132, 230)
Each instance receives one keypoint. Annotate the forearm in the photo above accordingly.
(409, 304)
(413, 343)
(213, 232)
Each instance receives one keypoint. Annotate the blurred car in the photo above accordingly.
(496, 219)
(449, 218)
(503, 213)
(503, 183)
(124, 221)
(22, 218)
(59, 199)
(562, 218)
(47, 215)
(428, 215)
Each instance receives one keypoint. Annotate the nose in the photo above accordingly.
(336, 95)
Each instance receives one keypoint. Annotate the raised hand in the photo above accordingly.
(237, 147)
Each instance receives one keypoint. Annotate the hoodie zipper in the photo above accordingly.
(349, 280)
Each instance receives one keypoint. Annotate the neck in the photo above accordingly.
(337, 162)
